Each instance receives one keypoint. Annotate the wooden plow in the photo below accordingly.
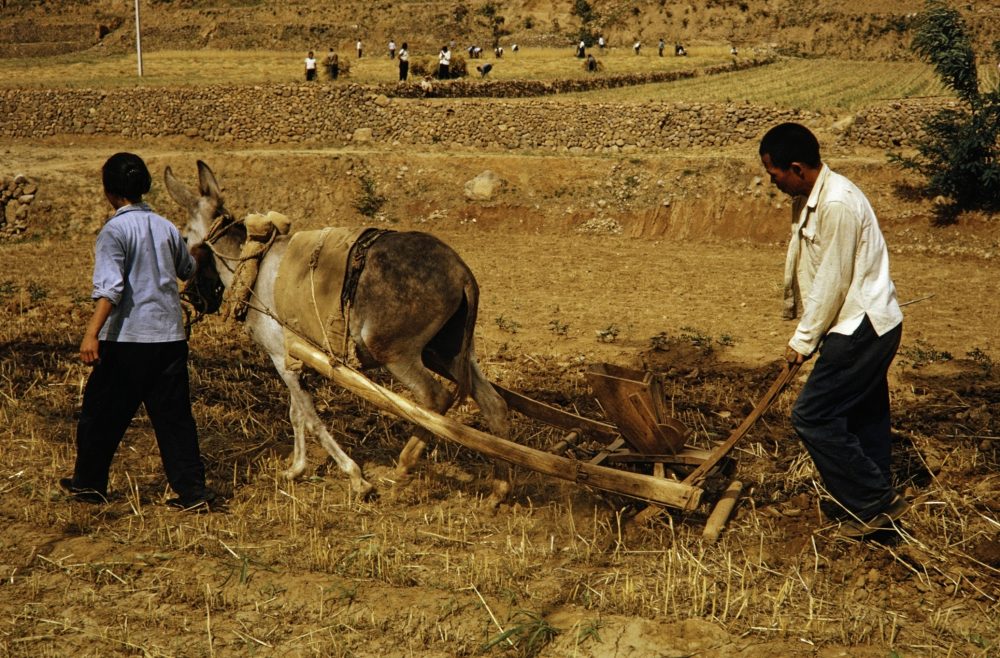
(642, 433)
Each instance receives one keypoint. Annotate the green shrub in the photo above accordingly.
(958, 154)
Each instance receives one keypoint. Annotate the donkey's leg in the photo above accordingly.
(429, 393)
(494, 410)
(303, 416)
(493, 407)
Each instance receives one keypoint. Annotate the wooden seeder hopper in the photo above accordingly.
(642, 433)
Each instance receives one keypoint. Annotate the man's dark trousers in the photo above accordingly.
(842, 417)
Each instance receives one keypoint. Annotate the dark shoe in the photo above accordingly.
(856, 529)
(203, 502)
(833, 510)
(81, 494)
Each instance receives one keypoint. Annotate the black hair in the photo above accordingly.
(404, 45)
(126, 175)
(790, 142)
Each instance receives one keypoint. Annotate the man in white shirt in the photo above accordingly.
(837, 282)
(444, 63)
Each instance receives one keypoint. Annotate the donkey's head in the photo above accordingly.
(205, 208)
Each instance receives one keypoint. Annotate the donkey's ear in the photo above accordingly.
(179, 191)
(206, 180)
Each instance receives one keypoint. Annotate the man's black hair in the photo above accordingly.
(126, 175)
(790, 142)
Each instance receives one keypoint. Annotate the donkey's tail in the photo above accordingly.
(463, 360)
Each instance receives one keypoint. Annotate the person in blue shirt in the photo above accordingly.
(136, 343)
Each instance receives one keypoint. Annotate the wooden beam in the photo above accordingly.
(555, 417)
(635, 485)
(717, 519)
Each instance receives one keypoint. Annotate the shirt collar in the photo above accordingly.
(817, 187)
(142, 205)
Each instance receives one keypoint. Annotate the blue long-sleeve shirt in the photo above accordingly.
(138, 258)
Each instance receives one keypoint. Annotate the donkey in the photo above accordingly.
(414, 311)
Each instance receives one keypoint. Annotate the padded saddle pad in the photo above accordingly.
(307, 291)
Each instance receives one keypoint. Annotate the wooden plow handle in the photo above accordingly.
(784, 378)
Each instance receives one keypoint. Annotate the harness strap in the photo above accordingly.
(356, 258)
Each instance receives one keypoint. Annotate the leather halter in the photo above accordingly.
(223, 222)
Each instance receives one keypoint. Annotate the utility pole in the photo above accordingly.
(138, 38)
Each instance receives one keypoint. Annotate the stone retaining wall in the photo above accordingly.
(895, 124)
(16, 195)
(338, 114)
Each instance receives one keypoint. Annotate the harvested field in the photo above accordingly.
(302, 567)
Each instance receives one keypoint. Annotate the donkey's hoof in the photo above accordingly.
(365, 490)
(402, 475)
(291, 474)
(501, 490)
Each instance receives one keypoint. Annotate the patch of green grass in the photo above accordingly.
(558, 327)
(609, 334)
(531, 632)
(37, 292)
(982, 359)
(369, 202)
(696, 337)
(922, 353)
(507, 324)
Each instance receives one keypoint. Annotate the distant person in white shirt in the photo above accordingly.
(358, 46)
(837, 283)
(444, 63)
(392, 49)
(310, 66)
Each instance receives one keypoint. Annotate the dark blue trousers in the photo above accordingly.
(842, 417)
(127, 375)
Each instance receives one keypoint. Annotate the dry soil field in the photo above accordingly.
(303, 568)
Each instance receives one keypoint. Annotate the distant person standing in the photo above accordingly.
(310, 66)
(733, 51)
(358, 46)
(392, 49)
(636, 46)
(660, 46)
(444, 63)
(404, 62)
(332, 64)
(581, 49)
(601, 43)
(513, 48)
